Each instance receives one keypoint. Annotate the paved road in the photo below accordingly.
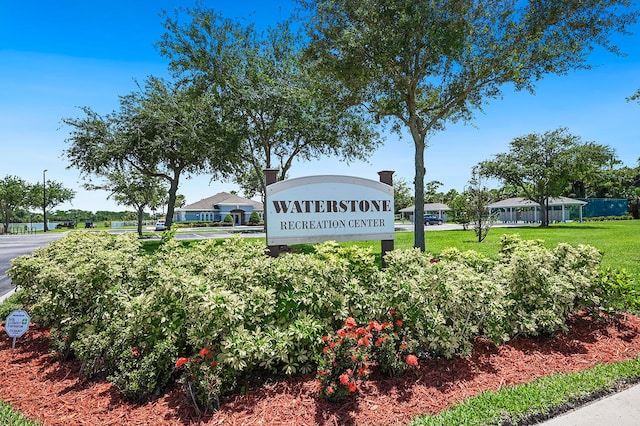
(16, 245)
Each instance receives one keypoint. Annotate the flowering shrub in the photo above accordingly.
(392, 350)
(144, 371)
(128, 315)
(348, 356)
(344, 362)
(204, 379)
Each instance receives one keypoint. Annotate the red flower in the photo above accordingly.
(203, 352)
(354, 358)
(399, 323)
(344, 379)
(214, 364)
(392, 311)
(363, 341)
(434, 260)
(361, 331)
(342, 333)
(325, 350)
(135, 352)
(375, 325)
(350, 323)
(329, 390)
(352, 387)
(380, 341)
(412, 360)
(181, 361)
(403, 346)
(325, 338)
(362, 371)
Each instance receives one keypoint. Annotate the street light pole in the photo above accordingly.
(44, 200)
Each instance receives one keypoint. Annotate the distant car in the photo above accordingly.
(68, 224)
(431, 219)
(160, 225)
(89, 225)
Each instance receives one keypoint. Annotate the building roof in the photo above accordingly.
(524, 202)
(222, 199)
(429, 207)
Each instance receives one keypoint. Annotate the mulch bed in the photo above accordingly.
(51, 392)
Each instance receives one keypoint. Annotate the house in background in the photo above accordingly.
(514, 210)
(215, 208)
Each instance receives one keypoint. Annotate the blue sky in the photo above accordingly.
(58, 56)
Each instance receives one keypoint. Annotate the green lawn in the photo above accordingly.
(619, 241)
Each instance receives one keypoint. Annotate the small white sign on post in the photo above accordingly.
(16, 324)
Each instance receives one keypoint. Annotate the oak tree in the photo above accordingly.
(542, 166)
(422, 64)
(288, 110)
(167, 130)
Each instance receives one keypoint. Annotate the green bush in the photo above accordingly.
(614, 291)
(254, 218)
(444, 303)
(10, 304)
(66, 283)
(544, 286)
(129, 315)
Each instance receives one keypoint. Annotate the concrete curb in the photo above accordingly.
(4, 296)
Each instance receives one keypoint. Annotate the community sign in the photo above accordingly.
(312, 209)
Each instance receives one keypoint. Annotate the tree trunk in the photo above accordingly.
(140, 217)
(171, 204)
(6, 221)
(545, 213)
(418, 225)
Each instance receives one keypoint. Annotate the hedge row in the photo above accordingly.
(130, 316)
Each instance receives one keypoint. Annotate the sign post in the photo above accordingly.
(16, 324)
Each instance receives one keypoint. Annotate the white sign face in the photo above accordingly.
(17, 323)
(321, 208)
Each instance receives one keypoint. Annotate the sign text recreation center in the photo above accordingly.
(319, 208)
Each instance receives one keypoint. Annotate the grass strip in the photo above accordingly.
(538, 400)
(8, 416)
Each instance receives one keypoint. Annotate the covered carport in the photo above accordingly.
(514, 210)
(437, 209)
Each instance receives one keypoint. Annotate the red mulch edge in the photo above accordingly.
(51, 392)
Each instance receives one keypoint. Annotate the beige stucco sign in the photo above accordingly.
(312, 209)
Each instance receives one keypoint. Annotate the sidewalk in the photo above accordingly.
(619, 409)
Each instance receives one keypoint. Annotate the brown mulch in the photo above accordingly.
(51, 392)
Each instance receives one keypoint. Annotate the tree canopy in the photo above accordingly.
(16, 194)
(544, 165)
(168, 130)
(287, 109)
(129, 187)
(421, 64)
(13, 194)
